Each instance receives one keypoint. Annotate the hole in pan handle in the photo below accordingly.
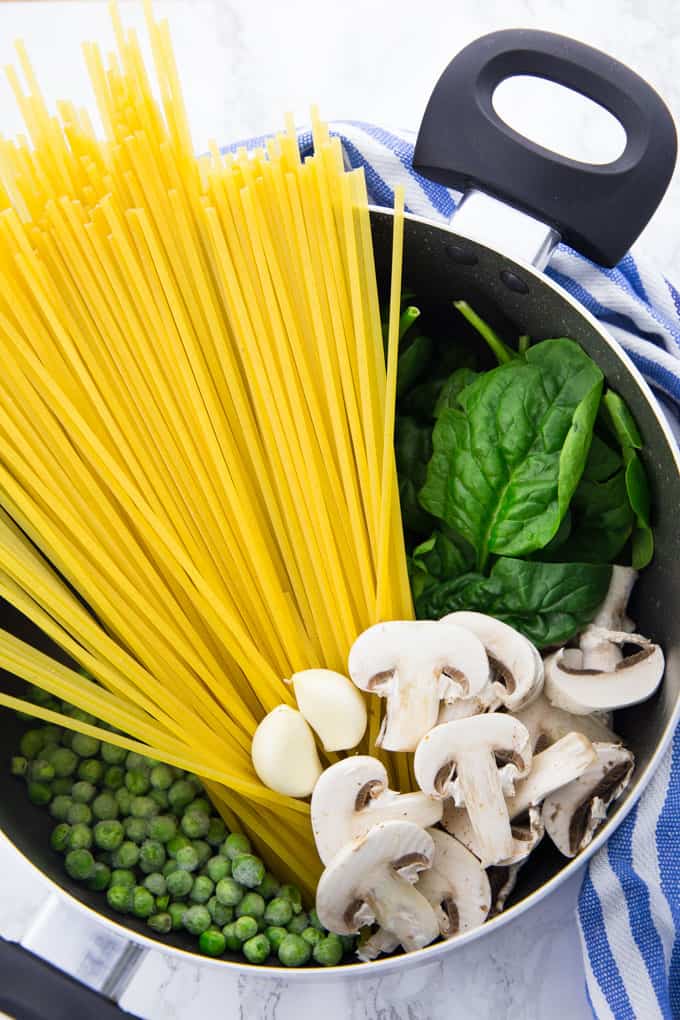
(598, 209)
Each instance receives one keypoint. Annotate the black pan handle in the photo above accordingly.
(599, 210)
(31, 989)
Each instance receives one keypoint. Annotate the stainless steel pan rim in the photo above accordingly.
(641, 779)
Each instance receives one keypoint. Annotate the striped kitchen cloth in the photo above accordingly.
(629, 907)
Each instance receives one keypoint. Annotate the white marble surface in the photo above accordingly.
(243, 64)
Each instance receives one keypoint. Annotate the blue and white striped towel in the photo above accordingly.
(629, 907)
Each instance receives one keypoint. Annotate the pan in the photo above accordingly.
(519, 202)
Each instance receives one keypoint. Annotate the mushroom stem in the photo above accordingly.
(399, 908)
(412, 708)
(599, 651)
(481, 791)
(558, 765)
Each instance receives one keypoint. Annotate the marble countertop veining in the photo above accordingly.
(243, 64)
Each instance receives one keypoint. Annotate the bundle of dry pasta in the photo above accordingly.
(195, 427)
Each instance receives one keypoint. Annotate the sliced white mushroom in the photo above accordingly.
(415, 665)
(565, 760)
(573, 813)
(371, 881)
(461, 759)
(332, 706)
(598, 651)
(462, 708)
(456, 886)
(582, 691)
(527, 832)
(516, 667)
(547, 723)
(284, 753)
(379, 943)
(352, 796)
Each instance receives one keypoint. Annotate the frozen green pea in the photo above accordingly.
(248, 870)
(79, 814)
(217, 831)
(64, 762)
(294, 951)
(39, 793)
(197, 919)
(235, 845)
(126, 855)
(101, 878)
(187, 859)
(278, 912)
(108, 834)
(105, 807)
(161, 923)
(137, 781)
(162, 828)
(180, 795)
(177, 912)
(230, 937)
(84, 746)
(169, 867)
(179, 884)
(32, 743)
(122, 876)
(83, 792)
(143, 903)
(79, 864)
(136, 829)
(123, 799)
(19, 765)
(298, 924)
(114, 777)
(328, 951)
(252, 904)
(269, 887)
(175, 843)
(151, 856)
(311, 935)
(257, 949)
(133, 760)
(155, 883)
(119, 898)
(314, 920)
(292, 893)
(111, 754)
(144, 807)
(201, 804)
(81, 715)
(162, 902)
(275, 935)
(91, 770)
(245, 928)
(160, 797)
(229, 892)
(41, 771)
(218, 868)
(160, 777)
(203, 851)
(59, 840)
(80, 837)
(195, 824)
(220, 914)
(212, 943)
(61, 786)
(60, 807)
(202, 889)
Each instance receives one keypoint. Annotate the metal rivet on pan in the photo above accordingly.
(513, 282)
(460, 255)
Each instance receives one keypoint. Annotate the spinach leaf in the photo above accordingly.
(421, 401)
(548, 602)
(443, 555)
(505, 465)
(452, 388)
(618, 418)
(413, 363)
(413, 447)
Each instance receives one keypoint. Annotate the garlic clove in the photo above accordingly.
(332, 706)
(284, 753)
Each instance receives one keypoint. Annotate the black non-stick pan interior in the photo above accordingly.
(440, 266)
